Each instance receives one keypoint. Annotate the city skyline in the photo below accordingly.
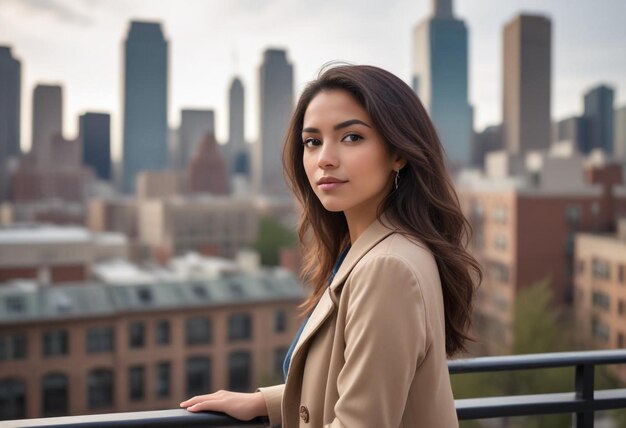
(92, 80)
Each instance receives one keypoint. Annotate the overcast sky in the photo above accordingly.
(78, 43)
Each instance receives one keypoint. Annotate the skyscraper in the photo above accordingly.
(619, 136)
(574, 129)
(526, 56)
(95, 137)
(236, 127)
(440, 64)
(145, 101)
(47, 116)
(599, 115)
(194, 124)
(276, 105)
(10, 98)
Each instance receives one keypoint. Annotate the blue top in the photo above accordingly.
(295, 340)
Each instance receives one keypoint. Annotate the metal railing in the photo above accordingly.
(583, 401)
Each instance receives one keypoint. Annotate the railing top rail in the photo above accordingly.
(537, 361)
(155, 418)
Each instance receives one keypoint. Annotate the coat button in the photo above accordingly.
(304, 414)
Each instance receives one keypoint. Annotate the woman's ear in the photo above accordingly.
(398, 162)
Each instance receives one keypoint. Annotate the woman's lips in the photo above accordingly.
(330, 186)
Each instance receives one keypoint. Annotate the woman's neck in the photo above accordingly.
(358, 222)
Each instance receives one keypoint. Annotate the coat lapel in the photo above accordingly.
(375, 232)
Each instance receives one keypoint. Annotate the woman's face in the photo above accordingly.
(340, 142)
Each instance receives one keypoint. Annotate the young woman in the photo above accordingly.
(384, 241)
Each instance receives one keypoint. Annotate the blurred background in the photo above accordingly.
(147, 237)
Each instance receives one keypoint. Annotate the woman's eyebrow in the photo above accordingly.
(339, 125)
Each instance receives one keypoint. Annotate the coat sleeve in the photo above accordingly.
(273, 396)
(386, 337)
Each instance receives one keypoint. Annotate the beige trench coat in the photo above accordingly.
(372, 354)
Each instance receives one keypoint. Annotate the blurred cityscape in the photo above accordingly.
(132, 285)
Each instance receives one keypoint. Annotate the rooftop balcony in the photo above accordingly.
(582, 402)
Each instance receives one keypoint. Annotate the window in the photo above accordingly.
(162, 332)
(239, 327)
(572, 214)
(198, 376)
(499, 241)
(15, 304)
(12, 399)
(600, 330)
(601, 300)
(499, 272)
(600, 269)
(163, 380)
(136, 375)
(500, 214)
(12, 347)
(279, 359)
(621, 307)
(236, 290)
(100, 339)
(580, 267)
(54, 390)
(136, 334)
(621, 274)
(280, 321)
(198, 331)
(145, 295)
(199, 291)
(239, 371)
(595, 208)
(100, 388)
(55, 343)
(621, 342)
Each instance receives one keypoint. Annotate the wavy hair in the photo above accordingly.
(424, 206)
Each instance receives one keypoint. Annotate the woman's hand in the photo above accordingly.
(239, 405)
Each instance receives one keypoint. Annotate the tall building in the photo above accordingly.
(95, 137)
(10, 99)
(526, 55)
(236, 128)
(599, 116)
(620, 134)
(47, 116)
(573, 129)
(276, 105)
(145, 101)
(557, 195)
(206, 172)
(600, 291)
(440, 78)
(488, 140)
(194, 124)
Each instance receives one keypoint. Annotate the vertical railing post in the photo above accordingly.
(584, 391)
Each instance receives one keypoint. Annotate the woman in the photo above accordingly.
(382, 235)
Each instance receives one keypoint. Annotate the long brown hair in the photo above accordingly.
(424, 206)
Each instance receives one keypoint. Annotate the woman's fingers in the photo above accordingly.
(195, 400)
(215, 405)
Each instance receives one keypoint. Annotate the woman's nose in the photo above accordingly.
(327, 156)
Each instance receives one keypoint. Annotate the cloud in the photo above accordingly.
(56, 9)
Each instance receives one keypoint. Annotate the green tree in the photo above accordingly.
(537, 328)
(272, 237)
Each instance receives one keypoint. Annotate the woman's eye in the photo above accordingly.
(353, 137)
(310, 140)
